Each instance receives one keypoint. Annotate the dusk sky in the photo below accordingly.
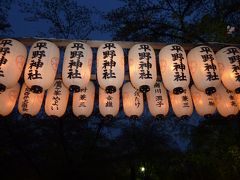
(23, 28)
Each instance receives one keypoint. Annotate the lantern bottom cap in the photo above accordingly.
(210, 90)
(237, 90)
(144, 88)
(54, 117)
(74, 88)
(184, 117)
(134, 117)
(231, 116)
(110, 89)
(207, 116)
(160, 116)
(178, 90)
(26, 115)
(82, 117)
(36, 89)
(2, 88)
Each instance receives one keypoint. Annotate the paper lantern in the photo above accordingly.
(109, 103)
(13, 55)
(57, 99)
(110, 66)
(142, 67)
(237, 98)
(228, 60)
(8, 100)
(174, 68)
(83, 101)
(225, 102)
(41, 66)
(158, 100)
(77, 66)
(132, 101)
(204, 104)
(29, 103)
(204, 69)
(182, 103)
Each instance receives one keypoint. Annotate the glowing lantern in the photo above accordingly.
(142, 67)
(29, 103)
(225, 102)
(158, 100)
(13, 55)
(132, 101)
(237, 98)
(204, 104)
(204, 69)
(8, 100)
(57, 99)
(108, 103)
(229, 68)
(41, 66)
(174, 68)
(83, 101)
(77, 66)
(110, 66)
(182, 103)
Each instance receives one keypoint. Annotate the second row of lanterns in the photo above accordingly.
(29, 103)
(206, 68)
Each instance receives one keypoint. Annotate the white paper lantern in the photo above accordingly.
(77, 66)
(228, 60)
(132, 101)
(13, 55)
(41, 66)
(158, 100)
(8, 100)
(204, 104)
(57, 99)
(142, 67)
(109, 103)
(204, 69)
(29, 103)
(174, 68)
(110, 66)
(225, 102)
(83, 101)
(182, 103)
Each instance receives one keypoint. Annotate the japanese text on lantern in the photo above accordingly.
(83, 97)
(75, 61)
(4, 49)
(234, 59)
(144, 62)
(56, 95)
(36, 62)
(26, 99)
(178, 66)
(209, 66)
(109, 63)
(109, 102)
(231, 98)
(158, 97)
(137, 98)
(185, 99)
(211, 101)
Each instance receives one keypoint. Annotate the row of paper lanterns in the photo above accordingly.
(226, 102)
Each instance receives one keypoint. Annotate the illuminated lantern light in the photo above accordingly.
(109, 103)
(142, 67)
(204, 69)
(229, 68)
(110, 66)
(41, 66)
(57, 99)
(132, 101)
(174, 68)
(158, 100)
(77, 66)
(204, 104)
(83, 101)
(13, 55)
(29, 103)
(225, 102)
(8, 100)
(182, 103)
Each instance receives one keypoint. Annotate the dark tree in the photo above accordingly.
(4, 10)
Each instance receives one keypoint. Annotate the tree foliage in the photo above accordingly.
(4, 13)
